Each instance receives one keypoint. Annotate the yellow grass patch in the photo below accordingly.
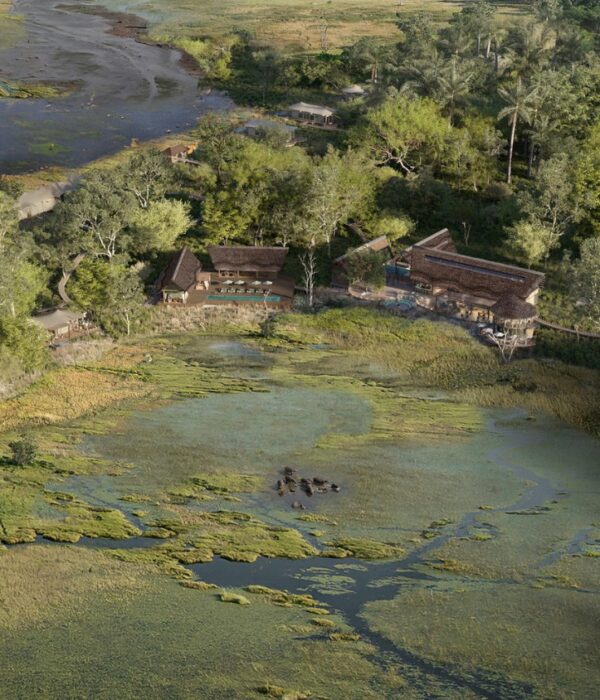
(39, 582)
(66, 394)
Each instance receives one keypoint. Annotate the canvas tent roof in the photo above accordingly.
(312, 109)
(57, 318)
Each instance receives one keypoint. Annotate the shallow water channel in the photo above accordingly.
(124, 90)
(520, 489)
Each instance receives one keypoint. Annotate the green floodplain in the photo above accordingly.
(147, 550)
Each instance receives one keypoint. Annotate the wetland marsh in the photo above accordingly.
(459, 559)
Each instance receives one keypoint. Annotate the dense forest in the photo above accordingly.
(488, 128)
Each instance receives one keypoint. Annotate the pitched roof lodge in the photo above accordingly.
(238, 275)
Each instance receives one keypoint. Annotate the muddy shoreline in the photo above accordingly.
(129, 26)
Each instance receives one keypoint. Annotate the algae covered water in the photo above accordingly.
(459, 559)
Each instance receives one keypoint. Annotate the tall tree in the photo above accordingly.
(453, 87)
(403, 132)
(585, 281)
(146, 174)
(519, 103)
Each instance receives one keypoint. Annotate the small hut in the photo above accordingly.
(353, 92)
(516, 316)
(62, 324)
(312, 114)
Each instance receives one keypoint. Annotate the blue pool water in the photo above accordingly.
(271, 299)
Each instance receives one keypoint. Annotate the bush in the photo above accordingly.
(23, 451)
(25, 342)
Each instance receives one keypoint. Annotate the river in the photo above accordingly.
(126, 90)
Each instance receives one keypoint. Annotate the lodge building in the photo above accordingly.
(472, 289)
(238, 275)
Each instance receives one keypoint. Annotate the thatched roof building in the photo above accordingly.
(511, 310)
(180, 274)
(247, 259)
(469, 288)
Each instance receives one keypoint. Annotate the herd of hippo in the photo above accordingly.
(291, 482)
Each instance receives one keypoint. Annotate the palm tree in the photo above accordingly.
(453, 87)
(531, 48)
(519, 105)
(498, 41)
(426, 74)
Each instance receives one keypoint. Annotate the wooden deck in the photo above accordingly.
(279, 294)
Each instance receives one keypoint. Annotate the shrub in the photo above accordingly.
(23, 451)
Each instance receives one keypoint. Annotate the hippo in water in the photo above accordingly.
(335, 487)
(280, 487)
(298, 506)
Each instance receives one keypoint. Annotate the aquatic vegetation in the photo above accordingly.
(219, 483)
(512, 633)
(198, 585)
(344, 637)
(322, 622)
(444, 356)
(317, 518)
(283, 597)
(39, 582)
(412, 464)
(177, 377)
(152, 635)
(240, 537)
(66, 394)
(362, 548)
(228, 597)
(159, 558)
(278, 691)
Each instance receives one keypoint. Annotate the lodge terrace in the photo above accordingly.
(238, 275)
(472, 289)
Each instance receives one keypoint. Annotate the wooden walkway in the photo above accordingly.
(571, 331)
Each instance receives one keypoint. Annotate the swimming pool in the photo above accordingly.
(254, 298)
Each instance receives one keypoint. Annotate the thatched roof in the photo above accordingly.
(247, 258)
(181, 271)
(435, 261)
(511, 308)
(377, 245)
